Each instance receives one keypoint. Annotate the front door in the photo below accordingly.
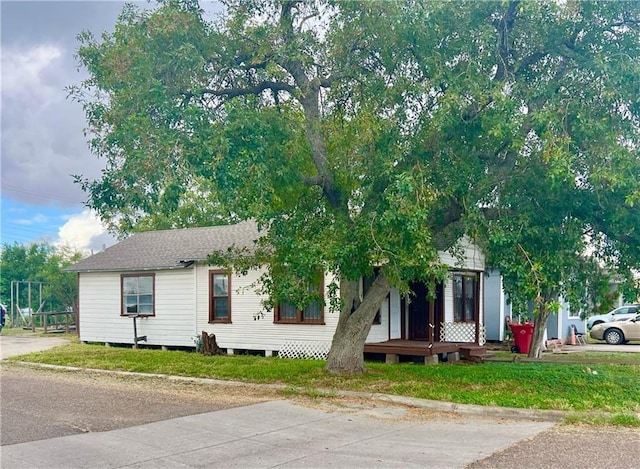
(417, 312)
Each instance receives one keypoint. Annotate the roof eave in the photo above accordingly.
(133, 269)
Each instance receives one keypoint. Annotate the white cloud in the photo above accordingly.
(22, 74)
(85, 233)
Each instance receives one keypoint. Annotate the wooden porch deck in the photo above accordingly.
(395, 348)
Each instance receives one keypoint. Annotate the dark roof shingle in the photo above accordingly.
(166, 249)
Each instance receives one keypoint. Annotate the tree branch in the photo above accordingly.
(235, 92)
(504, 26)
(312, 180)
(310, 101)
(528, 61)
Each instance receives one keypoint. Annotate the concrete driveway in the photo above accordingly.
(11, 345)
(603, 347)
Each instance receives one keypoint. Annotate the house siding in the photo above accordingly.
(172, 325)
(471, 257)
(245, 331)
(496, 305)
(380, 332)
(395, 319)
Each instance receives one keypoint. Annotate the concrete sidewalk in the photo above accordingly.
(281, 434)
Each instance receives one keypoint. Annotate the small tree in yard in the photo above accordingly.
(40, 263)
(361, 134)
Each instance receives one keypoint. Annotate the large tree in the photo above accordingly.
(356, 134)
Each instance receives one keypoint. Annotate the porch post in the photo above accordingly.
(432, 310)
(479, 302)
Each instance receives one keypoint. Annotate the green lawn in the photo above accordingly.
(592, 385)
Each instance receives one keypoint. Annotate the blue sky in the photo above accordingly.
(23, 223)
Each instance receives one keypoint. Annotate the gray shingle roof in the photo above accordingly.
(165, 249)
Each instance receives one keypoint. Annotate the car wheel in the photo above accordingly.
(614, 336)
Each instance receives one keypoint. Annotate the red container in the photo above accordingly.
(522, 335)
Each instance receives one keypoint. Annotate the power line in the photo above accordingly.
(39, 194)
(28, 233)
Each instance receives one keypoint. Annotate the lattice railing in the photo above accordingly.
(305, 349)
(461, 332)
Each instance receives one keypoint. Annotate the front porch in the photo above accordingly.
(395, 348)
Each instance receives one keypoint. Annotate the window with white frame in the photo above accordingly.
(137, 294)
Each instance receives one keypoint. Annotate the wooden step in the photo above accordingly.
(474, 353)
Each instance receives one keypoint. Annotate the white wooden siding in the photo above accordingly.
(380, 332)
(472, 257)
(395, 329)
(247, 333)
(173, 324)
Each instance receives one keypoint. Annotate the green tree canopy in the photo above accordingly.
(362, 134)
(39, 263)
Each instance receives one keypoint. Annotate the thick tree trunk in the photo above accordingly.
(346, 353)
(540, 324)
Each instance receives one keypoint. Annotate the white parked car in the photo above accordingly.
(623, 312)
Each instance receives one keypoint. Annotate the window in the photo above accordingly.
(366, 285)
(219, 296)
(137, 294)
(570, 314)
(313, 313)
(626, 310)
(465, 297)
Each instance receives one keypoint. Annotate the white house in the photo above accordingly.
(161, 281)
